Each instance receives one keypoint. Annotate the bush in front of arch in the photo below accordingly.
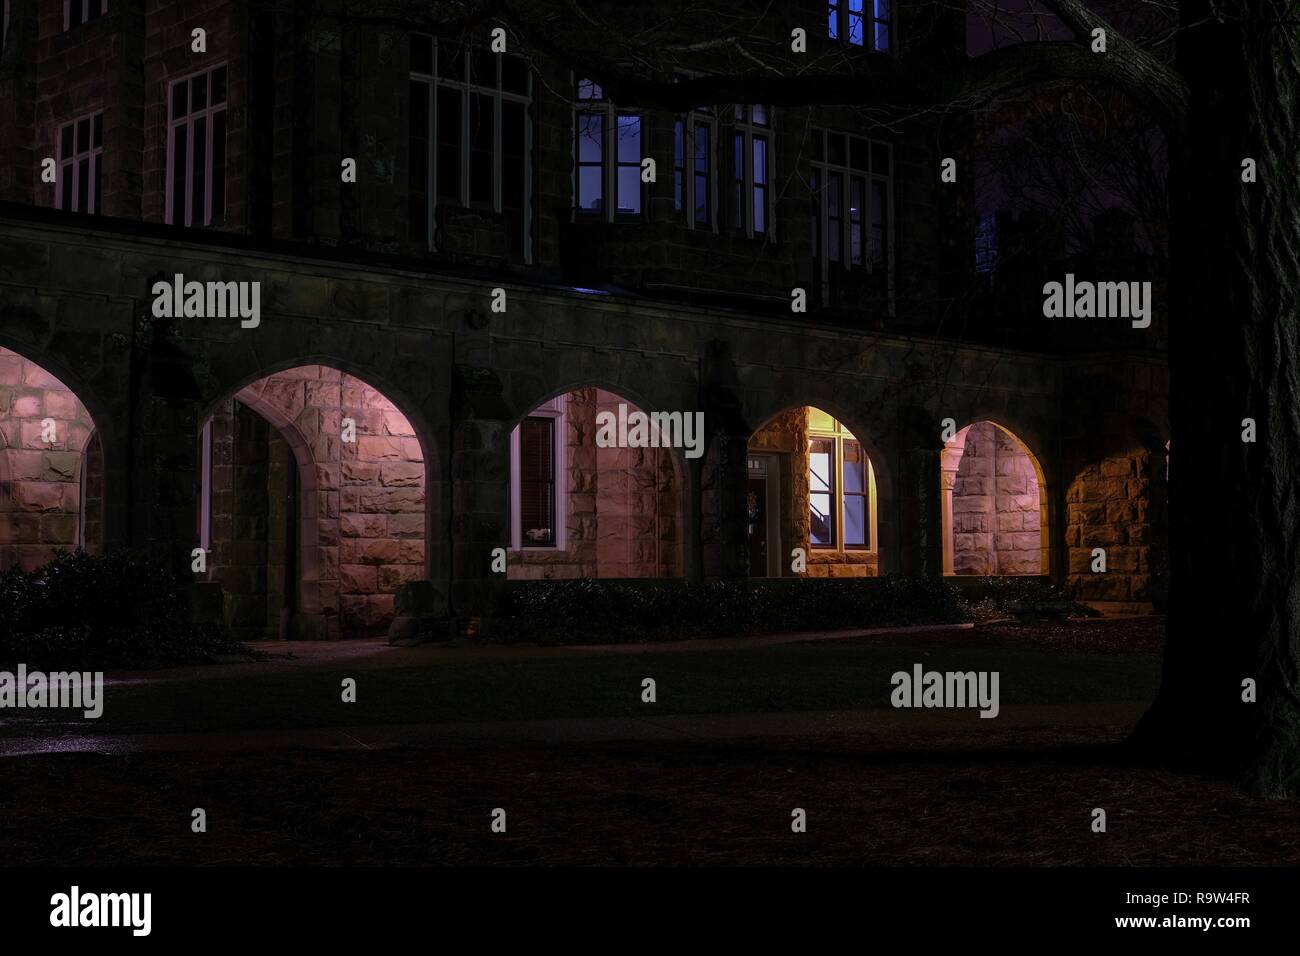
(120, 609)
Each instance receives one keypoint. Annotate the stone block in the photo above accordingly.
(358, 579)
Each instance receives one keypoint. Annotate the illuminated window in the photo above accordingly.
(607, 156)
(81, 151)
(77, 12)
(196, 150)
(470, 138)
(537, 493)
(841, 487)
(864, 23)
(751, 196)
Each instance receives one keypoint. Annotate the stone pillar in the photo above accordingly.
(724, 517)
(922, 512)
(723, 514)
(165, 443)
(480, 464)
(949, 478)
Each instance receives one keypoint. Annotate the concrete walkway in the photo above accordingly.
(374, 653)
(872, 727)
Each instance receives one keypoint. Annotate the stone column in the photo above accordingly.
(921, 510)
(165, 429)
(724, 516)
(479, 472)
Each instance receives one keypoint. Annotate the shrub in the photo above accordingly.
(93, 611)
(587, 611)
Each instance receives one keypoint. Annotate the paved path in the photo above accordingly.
(874, 727)
(374, 653)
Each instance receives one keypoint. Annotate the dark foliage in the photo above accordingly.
(586, 611)
(93, 611)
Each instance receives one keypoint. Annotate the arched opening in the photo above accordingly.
(1118, 504)
(811, 484)
(312, 505)
(994, 504)
(595, 489)
(45, 451)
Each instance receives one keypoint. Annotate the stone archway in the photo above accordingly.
(994, 504)
(331, 511)
(45, 430)
(811, 484)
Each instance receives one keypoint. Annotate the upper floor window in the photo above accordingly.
(841, 487)
(470, 138)
(81, 150)
(607, 156)
(851, 179)
(196, 150)
(537, 493)
(751, 195)
(77, 12)
(864, 23)
(694, 145)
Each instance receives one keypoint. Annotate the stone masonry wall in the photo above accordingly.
(996, 506)
(1107, 506)
(622, 505)
(40, 496)
(362, 505)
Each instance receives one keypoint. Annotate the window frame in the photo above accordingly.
(84, 15)
(840, 21)
(208, 113)
(205, 486)
(69, 167)
(610, 164)
(839, 434)
(467, 87)
(556, 410)
(685, 157)
(823, 173)
(746, 130)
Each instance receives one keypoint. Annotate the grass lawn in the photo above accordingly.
(888, 787)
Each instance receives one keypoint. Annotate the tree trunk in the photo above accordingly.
(1234, 354)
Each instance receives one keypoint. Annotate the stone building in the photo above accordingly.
(437, 334)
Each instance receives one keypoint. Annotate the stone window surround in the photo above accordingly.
(839, 434)
(499, 95)
(553, 409)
